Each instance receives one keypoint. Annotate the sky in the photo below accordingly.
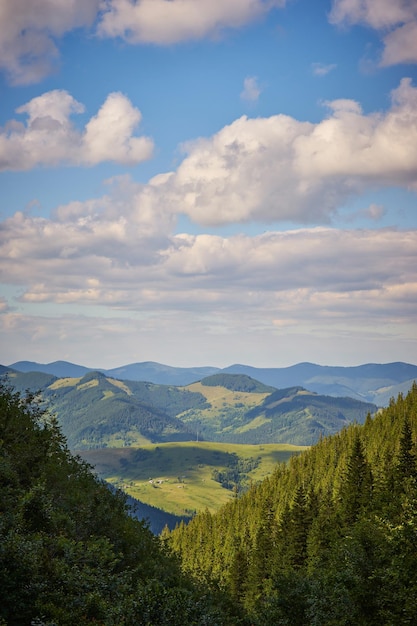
(208, 182)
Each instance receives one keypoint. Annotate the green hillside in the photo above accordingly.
(97, 411)
(328, 539)
(293, 415)
(181, 478)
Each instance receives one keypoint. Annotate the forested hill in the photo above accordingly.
(98, 411)
(371, 382)
(70, 554)
(330, 538)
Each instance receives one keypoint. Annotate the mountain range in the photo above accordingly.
(97, 411)
(371, 382)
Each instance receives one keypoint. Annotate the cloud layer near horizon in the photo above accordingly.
(320, 281)
(116, 252)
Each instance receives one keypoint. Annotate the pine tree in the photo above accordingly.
(406, 460)
(356, 489)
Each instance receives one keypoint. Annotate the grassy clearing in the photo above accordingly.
(177, 477)
(219, 397)
(64, 382)
(120, 385)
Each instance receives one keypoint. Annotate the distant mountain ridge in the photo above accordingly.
(371, 382)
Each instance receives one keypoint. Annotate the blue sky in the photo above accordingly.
(208, 181)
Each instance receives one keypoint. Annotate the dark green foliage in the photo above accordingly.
(235, 476)
(237, 382)
(330, 539)
(70, 553)
(357, 483)
(300, 417)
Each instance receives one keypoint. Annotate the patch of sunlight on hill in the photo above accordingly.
(89, 384)
(107, 393)
(255, 423)
(120, 385)
(64, 382)
(220, 396)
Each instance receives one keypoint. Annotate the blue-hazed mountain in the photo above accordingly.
(60, 369)
(371, 382)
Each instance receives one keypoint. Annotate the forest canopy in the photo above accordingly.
(70, 553)
(329, 539)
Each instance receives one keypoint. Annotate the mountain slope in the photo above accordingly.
(293, 415)
(329, 538)
(70, 552)
(98, 411)
(370, 382)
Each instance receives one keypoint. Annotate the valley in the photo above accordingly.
(186, 448)
(180, 478)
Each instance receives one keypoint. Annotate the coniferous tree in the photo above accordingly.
(356, 489)
(406, 460)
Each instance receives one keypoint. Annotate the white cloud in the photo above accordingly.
(251, 90)
(373, 212)
(395, 19)
(321, 69)
(97, 281)
(28, 30)
(172, 21)
(113, 268)
(278, 168)
(401, 45)
(49, 137)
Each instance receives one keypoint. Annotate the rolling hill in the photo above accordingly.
(292, 415)
(371, 382)
(97, 411)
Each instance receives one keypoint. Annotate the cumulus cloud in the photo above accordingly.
(401, 45)
(251, 90)
(49, 137)
(28, 32)
(321, 69)
(279, 169)
(396, 20)
(172, 21)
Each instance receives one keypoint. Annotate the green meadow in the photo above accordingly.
(180, 477)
